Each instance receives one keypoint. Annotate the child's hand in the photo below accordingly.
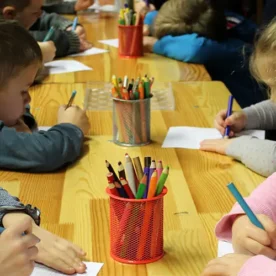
(237, 121)
(20, 126)
(17, 252)
(85, 45)
(146, 30)
(58, 253)
(83, 5)
(48, 50)
(149, 42)
(80, 31)
(250, 240)
(228, 265)
(74, 115)
(216, 145)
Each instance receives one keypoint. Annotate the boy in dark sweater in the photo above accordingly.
(29, 14)
(20, 149)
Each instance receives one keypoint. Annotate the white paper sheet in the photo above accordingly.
(190, 137)
(44, 128)
(224, 248)
(65, 66)
(90, 52)
(92, 270)
(111, 42)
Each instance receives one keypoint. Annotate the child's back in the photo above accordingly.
(197, 32)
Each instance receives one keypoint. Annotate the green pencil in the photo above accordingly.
(162, 181)
(142, 187)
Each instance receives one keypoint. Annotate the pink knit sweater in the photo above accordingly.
(261, 201)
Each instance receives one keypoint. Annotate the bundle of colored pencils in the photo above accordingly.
(132, 90)
(139, 183)
(135, 223)
(128, 17)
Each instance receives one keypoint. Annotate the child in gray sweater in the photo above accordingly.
(258, 155)
(30, 15)
(20, 149)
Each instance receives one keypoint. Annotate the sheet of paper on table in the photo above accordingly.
(111, 42)
(224, 248)
(92, 270)
(44, 128)
(190, 137)
(65, 66)
(90, 52)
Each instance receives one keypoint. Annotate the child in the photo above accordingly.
(258, 155)
(249, 240)
(18, 253)
(197, 31)
(20, 59)
(29, 14)
(62, 7)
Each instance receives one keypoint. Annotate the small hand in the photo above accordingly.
(228, 265)
(80, 31)
(216, 145)
(85, 45)
(148, 42)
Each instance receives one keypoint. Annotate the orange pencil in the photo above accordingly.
(115, 93)
(125, 94)
(156, 225)
(127, 188)
(141, 90)
(152, 185)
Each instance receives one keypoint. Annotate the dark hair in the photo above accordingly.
(178, 17)
(18, 4)
(18, 49)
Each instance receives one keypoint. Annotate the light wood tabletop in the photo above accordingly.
(102, 27)
(74, 203)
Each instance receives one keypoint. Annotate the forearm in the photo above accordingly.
(261, 115)
(258, 155)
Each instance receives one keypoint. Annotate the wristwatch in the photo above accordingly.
(33, 212)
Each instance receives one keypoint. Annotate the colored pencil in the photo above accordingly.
(159, 169)
(229, 112)
(130, 174)
(142, 187)
(121, 170)
(252, 217)
(127, 188)
(138, 168)
(151, 170)
(75, 23)
(152, 185)
(162, 181)
(116, 180)
(49, 34)
(147, 163)
(113, 190)
(74, 93)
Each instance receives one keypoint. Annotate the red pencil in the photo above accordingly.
(113, 189)
(127, 188)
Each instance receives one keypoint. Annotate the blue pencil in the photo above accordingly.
(229, 112)
(75, 23)
(2, 230)
(233, 189)
(71, 99)
(49, 34)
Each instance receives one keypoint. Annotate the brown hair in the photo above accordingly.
(18, 49)
(265, 46)
(18, 4)
(178, 17)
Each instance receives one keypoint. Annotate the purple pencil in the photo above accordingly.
(151, 170)
(229, 112)
(147, 163)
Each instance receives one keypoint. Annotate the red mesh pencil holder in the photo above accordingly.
(136, 229)
(130, 41)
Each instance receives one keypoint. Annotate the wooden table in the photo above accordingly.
(74, 204)
(101, 27)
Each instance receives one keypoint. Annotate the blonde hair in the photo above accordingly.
(178, 17)
(265, 46)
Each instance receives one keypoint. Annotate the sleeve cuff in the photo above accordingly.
(251, 116)
(258, 265)
(74, 43)
(234, 149)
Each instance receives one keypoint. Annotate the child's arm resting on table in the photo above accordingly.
(40, 151)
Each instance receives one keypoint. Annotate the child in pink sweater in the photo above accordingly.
(255, 249)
